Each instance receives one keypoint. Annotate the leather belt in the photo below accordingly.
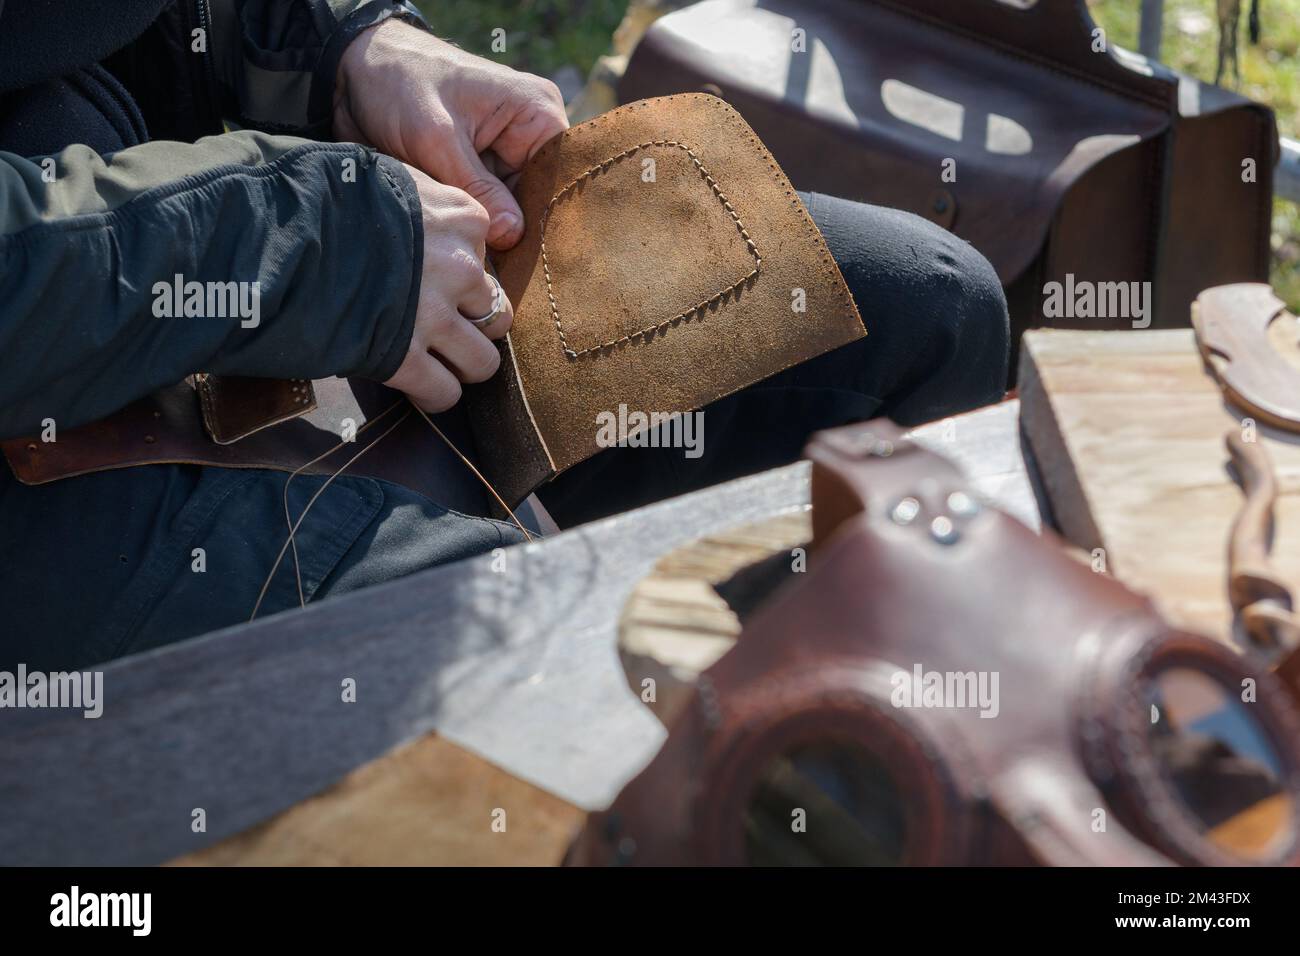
(262, 423)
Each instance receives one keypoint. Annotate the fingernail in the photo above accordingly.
(507, 225)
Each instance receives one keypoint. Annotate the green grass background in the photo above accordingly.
(544, 35)
(541, 35)
(1270, 73)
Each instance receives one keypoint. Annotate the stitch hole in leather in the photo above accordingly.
(647, 245)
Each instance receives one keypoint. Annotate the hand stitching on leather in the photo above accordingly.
(698, 307)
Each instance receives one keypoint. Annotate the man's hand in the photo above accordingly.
(445, 348)
(436, 107)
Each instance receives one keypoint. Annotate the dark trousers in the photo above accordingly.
(937, 344)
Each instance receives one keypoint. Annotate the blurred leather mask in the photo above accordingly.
(944, 686)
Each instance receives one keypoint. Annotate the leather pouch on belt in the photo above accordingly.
(235, 407)
(667, 262)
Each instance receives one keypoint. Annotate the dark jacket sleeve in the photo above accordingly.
(92, 249)
(275, 61)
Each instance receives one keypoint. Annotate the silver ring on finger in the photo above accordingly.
(498, 299)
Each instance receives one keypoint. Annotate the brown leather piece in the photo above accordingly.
(1066, 160)
(165, 428)
(235, 407)
(511, 453)
(1263, 600)
(1231, 325)
(1217, 226)
(949, 587)
(659, 269)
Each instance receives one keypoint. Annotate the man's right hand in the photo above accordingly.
(445, 348)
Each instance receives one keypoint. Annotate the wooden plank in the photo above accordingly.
(427, 803)
(1127, 433)
(516, 663)
(516, 667)
(676, 624)
(431, 802)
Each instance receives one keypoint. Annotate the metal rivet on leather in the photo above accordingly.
(709, 706)
(944, 531)
(859, 444)
(941, 208)
(627, 848)
(905, 511)
(962, 504)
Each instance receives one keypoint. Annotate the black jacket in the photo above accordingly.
(331, 232)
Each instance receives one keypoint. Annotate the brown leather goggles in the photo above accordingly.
(944, 686)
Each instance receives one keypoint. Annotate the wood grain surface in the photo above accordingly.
(428, 803)
(515, 663)
(431, 802)
(1127, 432)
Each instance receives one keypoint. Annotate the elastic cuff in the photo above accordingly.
(320, 101)
(394, 351)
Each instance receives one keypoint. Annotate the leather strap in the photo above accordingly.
(231, 428)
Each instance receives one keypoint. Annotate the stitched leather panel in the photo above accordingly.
(604, 270)
(670, 293)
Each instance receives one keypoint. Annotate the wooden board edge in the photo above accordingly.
(1068, 501)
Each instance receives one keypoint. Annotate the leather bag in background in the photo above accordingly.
(1103, 165)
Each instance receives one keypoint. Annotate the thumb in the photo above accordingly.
(506, 220)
